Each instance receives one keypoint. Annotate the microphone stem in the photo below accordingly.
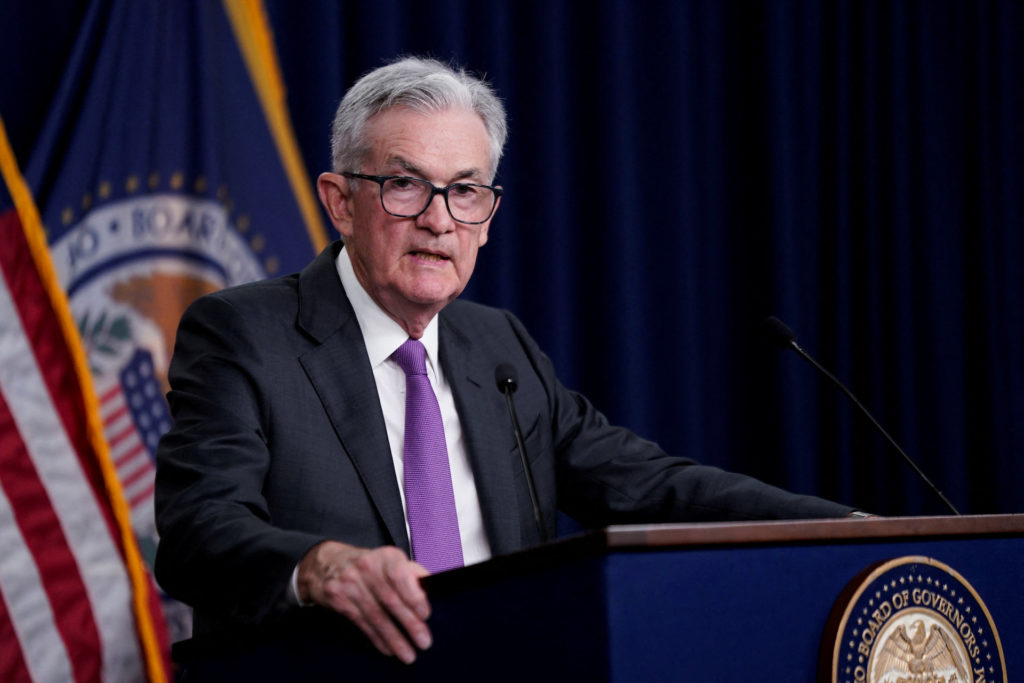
(526, 464)
(807, 357)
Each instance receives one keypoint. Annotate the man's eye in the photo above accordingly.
(463, 190)
(402, 183)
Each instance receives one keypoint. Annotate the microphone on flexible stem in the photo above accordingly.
(785, 338)
(505, 377)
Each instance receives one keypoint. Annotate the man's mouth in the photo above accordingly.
(429, 256)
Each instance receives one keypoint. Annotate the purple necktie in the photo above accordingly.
(429, 499)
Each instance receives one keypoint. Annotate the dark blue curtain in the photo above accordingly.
(678, 171)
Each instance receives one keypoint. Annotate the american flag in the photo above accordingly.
(75, 601)
(134, 415)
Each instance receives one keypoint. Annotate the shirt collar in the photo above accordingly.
(381, 334)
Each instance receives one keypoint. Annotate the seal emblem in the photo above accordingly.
(915, 620)
(130, 267)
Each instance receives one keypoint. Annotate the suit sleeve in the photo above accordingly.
(218, 545)
(608, 475)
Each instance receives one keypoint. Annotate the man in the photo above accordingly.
(286, 478)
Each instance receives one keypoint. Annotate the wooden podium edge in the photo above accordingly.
(811, 531)
(591, 544)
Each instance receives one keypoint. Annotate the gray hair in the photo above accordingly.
(423, 85)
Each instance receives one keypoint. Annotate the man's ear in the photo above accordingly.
(337, 200)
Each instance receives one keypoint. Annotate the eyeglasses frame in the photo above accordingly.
(434, 191)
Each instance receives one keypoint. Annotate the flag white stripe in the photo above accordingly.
(146, 487)
(85, 529)
(139, 479)
(127, 451)
(110, 406)
(118, 425)
(131, 467)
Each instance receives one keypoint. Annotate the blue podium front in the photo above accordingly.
(840, 600)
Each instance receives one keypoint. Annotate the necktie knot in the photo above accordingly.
(411, 357)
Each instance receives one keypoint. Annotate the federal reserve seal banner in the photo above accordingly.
(165, 170)
(915, 620)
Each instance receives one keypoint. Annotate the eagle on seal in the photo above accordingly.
(922, 654)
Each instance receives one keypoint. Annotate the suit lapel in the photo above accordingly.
(485, 429)
(340, 372)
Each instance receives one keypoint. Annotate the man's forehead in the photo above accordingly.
(385, 123)
(417, 142)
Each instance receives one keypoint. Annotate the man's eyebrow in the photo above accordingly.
(414, 170)
(407, 166)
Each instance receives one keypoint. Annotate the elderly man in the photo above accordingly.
(338, 434)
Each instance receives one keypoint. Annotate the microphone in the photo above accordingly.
(783, 337)
(505, 377)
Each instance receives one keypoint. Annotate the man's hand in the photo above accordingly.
(378, 589)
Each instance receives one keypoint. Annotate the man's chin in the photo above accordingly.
(429, 291)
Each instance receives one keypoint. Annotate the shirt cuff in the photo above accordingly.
(293, 590)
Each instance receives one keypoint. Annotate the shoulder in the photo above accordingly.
(492, 336)
(467, 312)
(279, 298)
(479, 320)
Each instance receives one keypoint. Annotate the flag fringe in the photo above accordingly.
(255, 40)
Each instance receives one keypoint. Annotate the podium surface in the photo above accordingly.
(690, 602)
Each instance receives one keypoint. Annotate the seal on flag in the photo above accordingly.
(130, 267)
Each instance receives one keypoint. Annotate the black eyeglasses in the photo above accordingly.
(407, 197)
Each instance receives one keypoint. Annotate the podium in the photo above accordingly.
(687, 602)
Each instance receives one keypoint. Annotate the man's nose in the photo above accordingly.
(436, 217)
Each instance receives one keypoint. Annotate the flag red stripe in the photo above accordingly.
(121, 436)
(142, 495)
(116, 415)
(133, 453)
(12, 662)
(44, 537)
(138, 474)
(52, 355)
(109, 394)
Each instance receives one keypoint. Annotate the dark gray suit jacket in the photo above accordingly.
(279, 442)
